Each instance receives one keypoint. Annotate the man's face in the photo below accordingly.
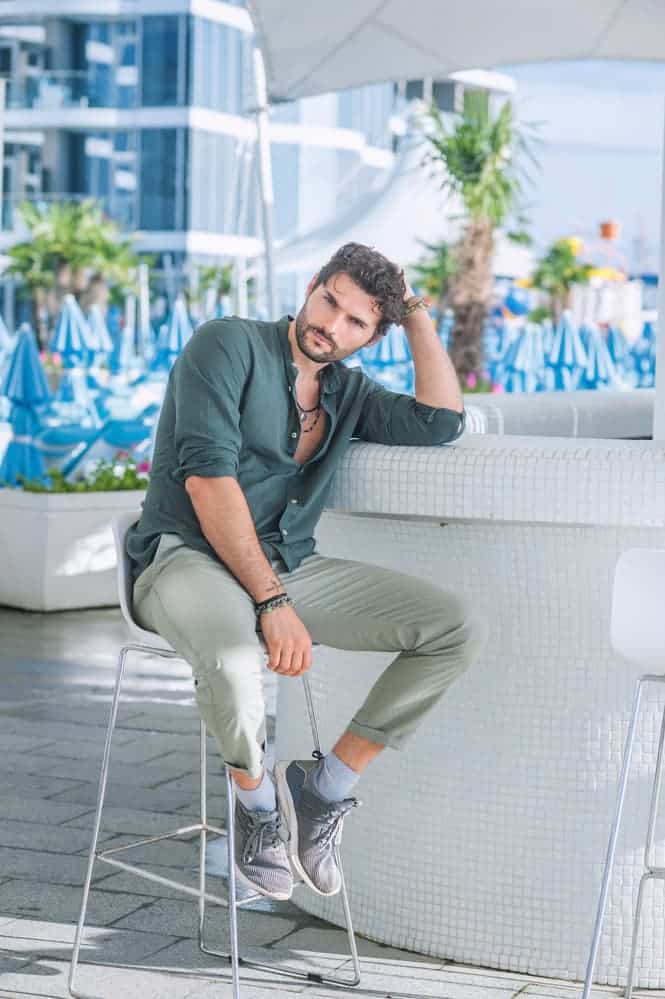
(337, 319)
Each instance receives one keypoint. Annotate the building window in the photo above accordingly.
(160, 173)
(159, 61)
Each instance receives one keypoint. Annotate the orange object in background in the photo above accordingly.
(610, 230)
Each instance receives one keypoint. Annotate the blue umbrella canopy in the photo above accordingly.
(567, 350)
(600, 370)
(99, 336)
(25, 380)
(22, 457)
(643, 354)
(618, 348)
(172, 337)
(72, 338)
(524, 361)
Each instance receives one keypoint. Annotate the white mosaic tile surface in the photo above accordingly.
(525, 479)
(484, 842)
(603, 414)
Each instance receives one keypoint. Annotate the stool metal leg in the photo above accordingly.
(614, 835)
(202, 827)
(235, 959)
(98, 817)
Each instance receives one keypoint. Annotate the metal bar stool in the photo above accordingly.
(149, 642)
(638, 634)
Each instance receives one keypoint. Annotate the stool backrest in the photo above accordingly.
(121, 525)
(638, 607)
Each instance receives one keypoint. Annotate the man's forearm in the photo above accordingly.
(436, 379)
(226, 521)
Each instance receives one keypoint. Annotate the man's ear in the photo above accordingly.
(375, 339)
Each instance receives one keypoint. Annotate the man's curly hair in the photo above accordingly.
(375, 274)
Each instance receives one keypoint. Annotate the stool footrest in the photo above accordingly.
(320, 977)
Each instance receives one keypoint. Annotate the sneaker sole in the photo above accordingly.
(245, 881)
(288, 809)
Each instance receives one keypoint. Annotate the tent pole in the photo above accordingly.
(659, 406)
(265, 176)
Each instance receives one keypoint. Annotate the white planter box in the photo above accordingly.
(57, 550)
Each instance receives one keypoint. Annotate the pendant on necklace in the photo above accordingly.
(303, 417)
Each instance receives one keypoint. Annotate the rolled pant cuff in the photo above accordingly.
(374, 735)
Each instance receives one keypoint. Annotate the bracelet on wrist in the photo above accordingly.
(413, 304)
(273, 603)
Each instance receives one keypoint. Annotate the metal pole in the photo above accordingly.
(265, 178)
(659, 406)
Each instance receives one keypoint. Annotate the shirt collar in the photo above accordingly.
(330, 380)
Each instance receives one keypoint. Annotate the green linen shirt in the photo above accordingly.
(229, 410)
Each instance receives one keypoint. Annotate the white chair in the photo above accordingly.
(149, 642)
(638, 634)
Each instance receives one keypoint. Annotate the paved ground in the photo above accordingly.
(56, 673)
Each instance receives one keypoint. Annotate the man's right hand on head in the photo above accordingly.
(287, 640)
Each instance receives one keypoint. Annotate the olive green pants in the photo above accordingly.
(200, 608)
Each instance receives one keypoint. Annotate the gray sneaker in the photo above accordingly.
(314, 827)
(262, 863)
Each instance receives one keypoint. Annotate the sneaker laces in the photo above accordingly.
(332, 818)
(265, 833)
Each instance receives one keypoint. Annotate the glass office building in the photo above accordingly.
(152, 115)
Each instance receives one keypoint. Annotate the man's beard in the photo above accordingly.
(323, 355)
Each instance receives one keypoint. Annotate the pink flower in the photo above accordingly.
(122, 455)
(471, 381)
(497, 389)
(55, 357)
(143, 467)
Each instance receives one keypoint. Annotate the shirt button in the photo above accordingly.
(294, 434)
(294, 500)
(285, 534)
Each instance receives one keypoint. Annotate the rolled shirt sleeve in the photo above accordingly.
(396, 418)
(209, 378)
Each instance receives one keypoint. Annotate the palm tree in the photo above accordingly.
(72, 248)
(481, 157)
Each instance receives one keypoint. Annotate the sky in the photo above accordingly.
(599, 145)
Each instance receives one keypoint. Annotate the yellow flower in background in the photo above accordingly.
(607, 274)
(574, 243)
(523, 283)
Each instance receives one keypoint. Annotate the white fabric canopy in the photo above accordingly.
(316, 46)
(313, 47)
(407, 210)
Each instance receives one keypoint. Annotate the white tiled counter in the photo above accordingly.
(484, 841)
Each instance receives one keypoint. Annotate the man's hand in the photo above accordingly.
(288, 642)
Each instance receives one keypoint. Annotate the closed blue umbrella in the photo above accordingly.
(643, 354)
(26, 386)
(600, 370)
(524, 362)
(72, 338)
(172, 337)
(99, 335)
(618, 348)
(566, 358)
(389, 361)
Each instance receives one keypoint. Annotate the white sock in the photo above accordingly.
(332, 779)
(262, 798)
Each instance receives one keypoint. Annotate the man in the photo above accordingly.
(256, 418)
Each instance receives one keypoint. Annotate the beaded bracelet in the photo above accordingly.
(272, 603)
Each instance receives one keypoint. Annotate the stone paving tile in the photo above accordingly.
(20, 809)
(35, 785)
(180, 919)
(132, 821)
(61, 732)
(49, 868)
(62, 903)
(117, 794)
(34, 938)
(141, 748)
(145, 775)
(12, 743)
(113, 880)
(324, 938)
(46, 837)
(48, 978)
(30, 763)
(186, 954)
(180, 854)
(181, 718)
(89, 714)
